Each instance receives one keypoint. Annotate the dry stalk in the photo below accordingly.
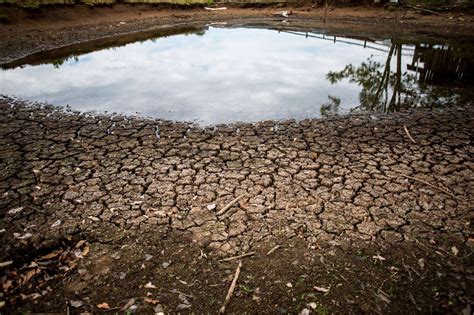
(272, 250)
(237, 257)
(431, 185)
(231, 289)
(408, 134)
(230, 204)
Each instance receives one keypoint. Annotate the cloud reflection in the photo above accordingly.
(227, 75)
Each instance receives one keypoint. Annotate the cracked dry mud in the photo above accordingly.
(338, 181)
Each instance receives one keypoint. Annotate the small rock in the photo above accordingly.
(122, 275)
(455, 250)
(15, 210)
(289, 285)
(211, 207)
(181, 307)
(421, 262)
(305, 311)
(76, 304)
(22, 237)
(312, 305)
(148, 257)
(56, 223)
(159, 310)
(166, 264)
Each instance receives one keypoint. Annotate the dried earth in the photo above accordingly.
(382, 223)
(121, 210)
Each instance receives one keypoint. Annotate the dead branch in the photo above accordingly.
(237, 257)
(272, 250)
(431, 185)
(422, 9)
(231, 289)
(230, 204)
(408, 134)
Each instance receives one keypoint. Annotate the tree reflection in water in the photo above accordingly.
(433, 79)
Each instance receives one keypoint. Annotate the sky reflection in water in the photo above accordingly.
(227, 75)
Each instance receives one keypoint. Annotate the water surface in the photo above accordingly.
(223, 75)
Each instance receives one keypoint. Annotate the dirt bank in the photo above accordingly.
(58, 26)
(360, 211)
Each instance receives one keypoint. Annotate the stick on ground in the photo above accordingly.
(272, 250)
(230, 204)
(408, 134)
(431, 185)
(239, 256)
(231, 289)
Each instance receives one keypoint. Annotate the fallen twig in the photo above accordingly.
(408, 134)
(239, 256)
(231, 289)
(431, 185)
(272, 250)
(230, 204)
(422, 9)
(215, 9)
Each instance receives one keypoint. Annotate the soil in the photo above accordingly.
(127, 211)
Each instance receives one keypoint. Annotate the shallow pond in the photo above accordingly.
(219, 75)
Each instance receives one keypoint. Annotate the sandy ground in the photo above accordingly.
(132, 212)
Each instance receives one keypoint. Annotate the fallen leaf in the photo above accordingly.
(321, 289)
(455, 250)
(149, 285)
(29, 275)
(76, 304)
(80, 243)
(103, 306)
(151, 301)
(5, 263)
(7, 285)
(85, 251)
(51, 255)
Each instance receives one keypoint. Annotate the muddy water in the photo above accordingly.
(221, 75)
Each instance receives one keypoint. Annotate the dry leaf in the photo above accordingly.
(321, 289)
(149, 285)
(29, 275)
(103, 306)
(51, 255)
(5, 263)
(7, 285)
(151, 301)
(85, 251)
(80, 243)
